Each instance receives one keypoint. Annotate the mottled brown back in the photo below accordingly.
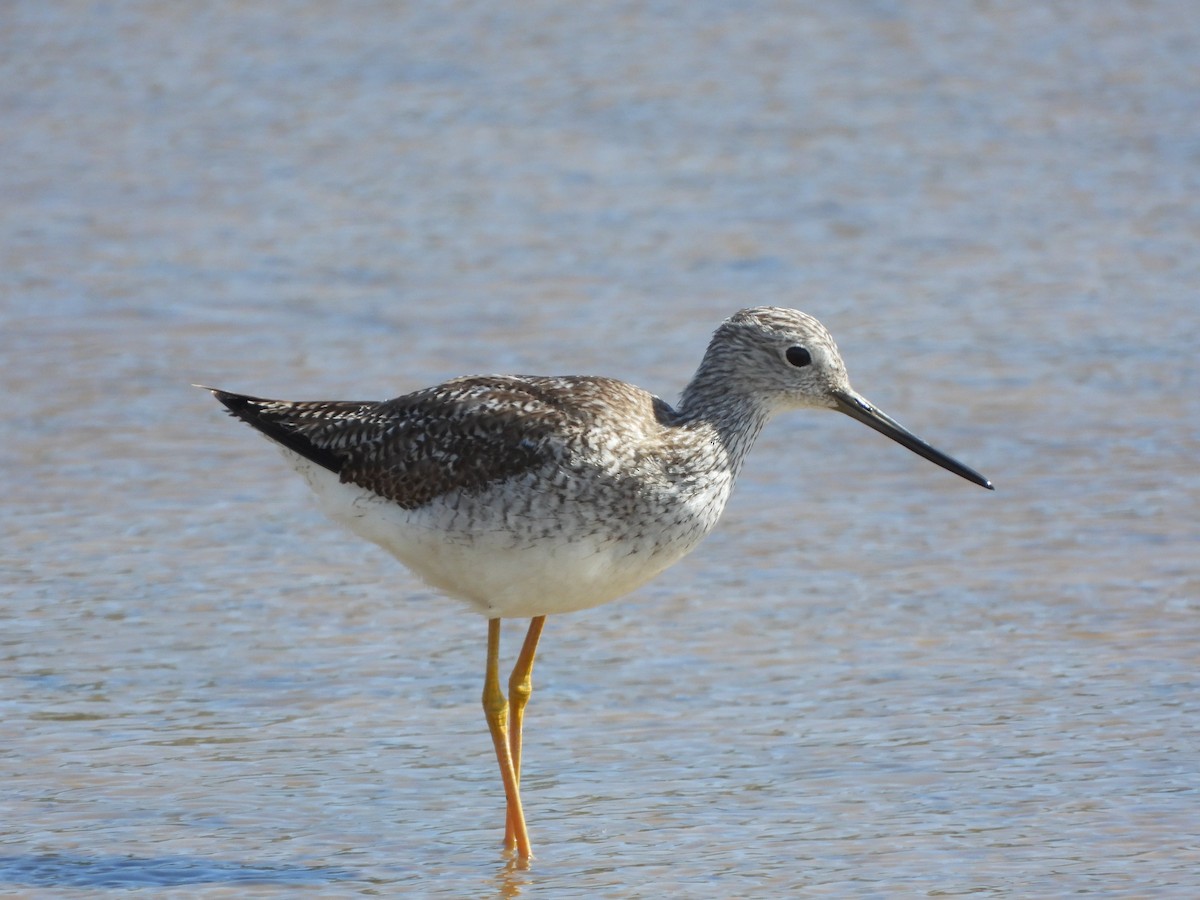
(463, 435)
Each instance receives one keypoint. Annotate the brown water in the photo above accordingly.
(874, 680)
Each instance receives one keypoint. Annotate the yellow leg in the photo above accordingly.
(495, 708)
(520, 686)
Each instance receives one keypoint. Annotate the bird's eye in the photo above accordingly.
(798, 356)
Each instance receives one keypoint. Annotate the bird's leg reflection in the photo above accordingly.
(495, 709)
(520, 686)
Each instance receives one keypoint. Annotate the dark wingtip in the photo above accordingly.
(231, 401)
(246, 408)
(249, 410)
(237, 404)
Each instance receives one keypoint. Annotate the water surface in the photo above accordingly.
(874, 680)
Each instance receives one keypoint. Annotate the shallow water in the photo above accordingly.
(874, 680)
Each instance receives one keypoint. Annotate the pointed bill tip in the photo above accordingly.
(857, 407)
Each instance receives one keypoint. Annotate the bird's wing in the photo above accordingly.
(462, 435)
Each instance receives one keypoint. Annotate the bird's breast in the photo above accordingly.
(543, 542)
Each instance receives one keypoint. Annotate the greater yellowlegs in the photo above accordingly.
(529, 496)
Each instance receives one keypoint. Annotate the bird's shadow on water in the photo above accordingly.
(68, 870)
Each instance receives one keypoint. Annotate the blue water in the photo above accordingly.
(874, 680)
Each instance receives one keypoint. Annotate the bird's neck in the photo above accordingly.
(733, 420)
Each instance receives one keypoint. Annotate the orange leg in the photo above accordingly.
(520, 686)
(495, 708)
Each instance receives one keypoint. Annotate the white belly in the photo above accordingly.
(504, 570)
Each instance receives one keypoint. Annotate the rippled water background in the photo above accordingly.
(874, 680)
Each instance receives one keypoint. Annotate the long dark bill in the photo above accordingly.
(857, 408)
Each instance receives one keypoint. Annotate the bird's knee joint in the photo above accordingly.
(495, 706)
(520, 690)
